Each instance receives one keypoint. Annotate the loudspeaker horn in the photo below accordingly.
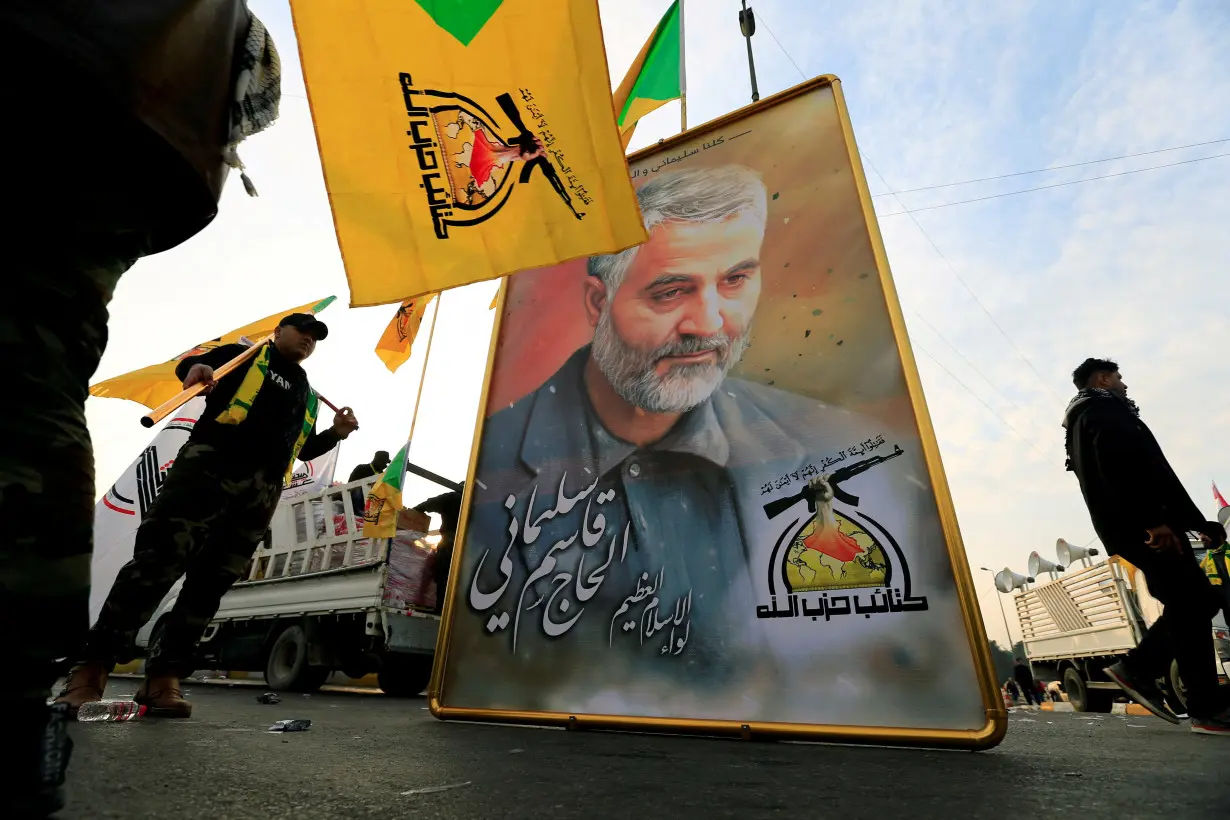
(1067, 554)
(1039, 565)
(1223, 517)
(1006, 580)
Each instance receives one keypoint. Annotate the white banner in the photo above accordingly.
(120, 511)
(312, 476)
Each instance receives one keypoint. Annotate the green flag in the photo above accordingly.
(656, 75)
(384, 500)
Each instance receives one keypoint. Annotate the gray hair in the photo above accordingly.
(692, 195)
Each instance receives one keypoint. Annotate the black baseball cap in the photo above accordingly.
(307, 323)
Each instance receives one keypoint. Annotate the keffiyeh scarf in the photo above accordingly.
(258, 90)
(1085, 395)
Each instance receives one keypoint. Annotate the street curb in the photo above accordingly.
(1134, 709)
(137, 668)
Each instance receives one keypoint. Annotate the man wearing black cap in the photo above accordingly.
(448, 507)
(214, 507)
(378, 465)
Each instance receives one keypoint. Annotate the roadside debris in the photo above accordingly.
(300, 725)
(434, 789)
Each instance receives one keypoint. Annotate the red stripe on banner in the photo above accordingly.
(117, 509)
(190, 421)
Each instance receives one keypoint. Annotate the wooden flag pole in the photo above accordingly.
(179, 399)
(431, 333)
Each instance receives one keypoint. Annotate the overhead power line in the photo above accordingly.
(981, 401)
(1055, 168)
(782, 47)
(940, 253)
(905, 210)
(965, 359)
(968, 289)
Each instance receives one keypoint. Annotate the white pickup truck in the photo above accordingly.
(319, 598)
(1086, 619)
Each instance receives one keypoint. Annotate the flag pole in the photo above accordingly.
(431, 332)
(187, 394)
(683, 72)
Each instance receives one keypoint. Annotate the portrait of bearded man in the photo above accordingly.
(638, 468)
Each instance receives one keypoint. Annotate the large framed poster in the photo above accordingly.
(706, 494)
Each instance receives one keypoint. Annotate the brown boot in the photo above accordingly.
(162, 697)
(85, 684)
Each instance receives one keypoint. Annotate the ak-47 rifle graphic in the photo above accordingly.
(809, 493)
(525, 141)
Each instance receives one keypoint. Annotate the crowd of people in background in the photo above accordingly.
(1025, 690)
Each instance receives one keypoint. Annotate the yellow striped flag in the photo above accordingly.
(153, 385)
(656, 75)
(462, 141)
(398, 338)
(384, 500)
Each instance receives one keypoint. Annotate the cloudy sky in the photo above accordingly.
(1003, 296)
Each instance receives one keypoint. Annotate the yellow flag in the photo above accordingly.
(153, 385)
(462, 141)
(397, 339)
(384, 499)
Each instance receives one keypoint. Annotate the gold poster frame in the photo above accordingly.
(984, 737)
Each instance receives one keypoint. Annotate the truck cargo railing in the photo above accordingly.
(317, 534)
(1086, 610)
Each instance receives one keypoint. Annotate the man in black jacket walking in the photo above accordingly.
(215, 506)
(1142, 513)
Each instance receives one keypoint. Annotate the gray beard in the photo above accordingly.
(632, 374)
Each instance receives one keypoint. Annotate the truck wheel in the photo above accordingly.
(1078, 693)
(1175, 690)
(287, 668)
(404, 676)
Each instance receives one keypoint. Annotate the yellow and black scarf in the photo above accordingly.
(241, 403)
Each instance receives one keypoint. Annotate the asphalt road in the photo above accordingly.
(366, 755)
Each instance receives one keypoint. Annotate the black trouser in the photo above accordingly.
(1184, 632)
(1031, 696)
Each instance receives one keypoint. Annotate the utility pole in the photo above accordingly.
(747, 24)
(1002, 614)
(683, 73)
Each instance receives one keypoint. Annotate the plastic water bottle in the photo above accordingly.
(109, 710)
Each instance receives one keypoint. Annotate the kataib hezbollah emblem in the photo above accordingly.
(471, 160)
